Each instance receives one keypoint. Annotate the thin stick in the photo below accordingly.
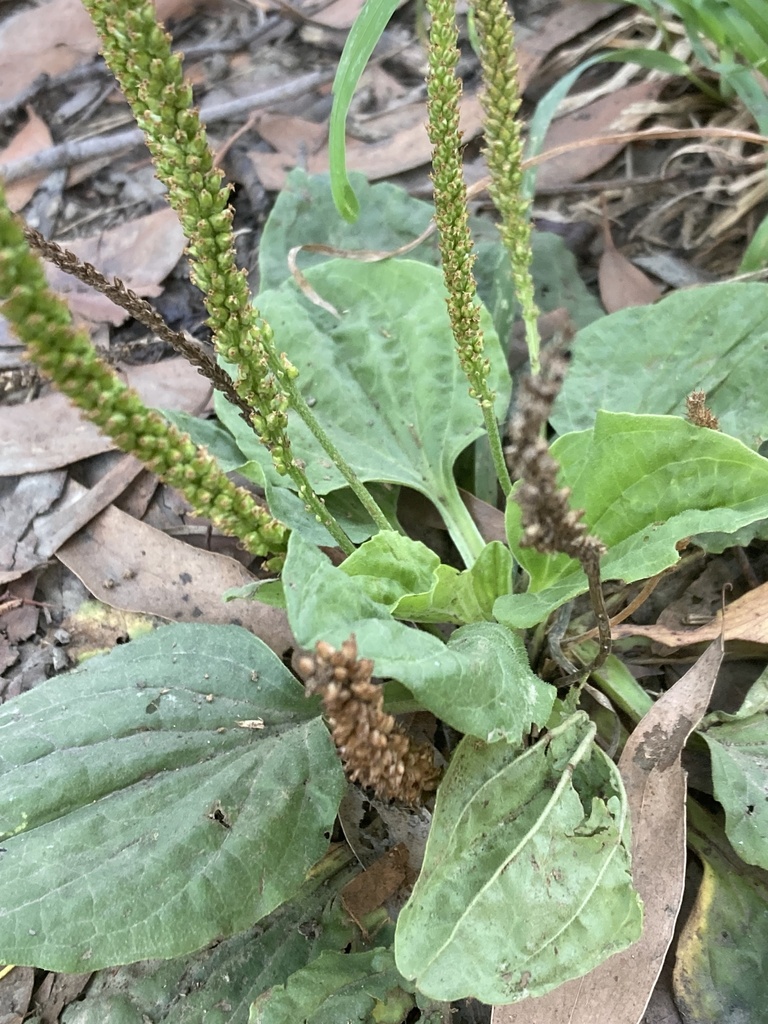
(79, 150)
(141, 310)
(648, 588)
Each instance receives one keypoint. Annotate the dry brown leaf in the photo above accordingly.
(24, 499)
(50, 432)
(80, 506)
(566, 22)
(16, 994)
(51, 38)
(618, 990)
(294, 136)
(372, 888)
(746, 619)
(402, 145)
(599, 118)
(339, 14)
(76, 506)
(55, 992)
(621, 283)
(141, 252)
(133, 567)
(20, 623)
(32, 138)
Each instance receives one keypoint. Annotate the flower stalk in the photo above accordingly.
(139, 54)
(504, 154)
(43, 323)
(452, 218)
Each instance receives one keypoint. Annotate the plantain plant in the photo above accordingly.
(179, 794)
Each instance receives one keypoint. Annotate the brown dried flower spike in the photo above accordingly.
(375, 750)
(699, 413)
(549, 523)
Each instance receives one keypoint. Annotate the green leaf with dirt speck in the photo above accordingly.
(159, 798)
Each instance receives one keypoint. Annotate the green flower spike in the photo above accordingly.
(138, 53)
(452, 217)
(42, 322)
(504, 153)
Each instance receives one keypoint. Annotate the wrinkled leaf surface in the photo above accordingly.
(480, 682)
(139, 819)
(645, 483)
(526, 879)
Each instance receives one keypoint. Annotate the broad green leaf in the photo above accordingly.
(391, 566)
(338, 987)
(462, 597)
(284, 503)
(218, 984)
(719, 337)
(212, 436)
(756, 254)
(344, 506)
(556, 277)
(645, 483)
(738, 746)
(526, 880)
(161, 797)
(720, 957)
(480, 682)
(389, 218)
(384, 381)
(304, 213)
(409, 580)
(739, 752)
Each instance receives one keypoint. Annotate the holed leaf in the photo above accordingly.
(480, 682)
(645, 483)
(526, 879)
(165, 795)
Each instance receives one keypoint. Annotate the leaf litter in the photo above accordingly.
(620, 988)
(391, 142)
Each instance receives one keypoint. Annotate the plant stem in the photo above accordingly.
(497, 454)
(315, 503)
(617, 682)
(461, 527)
(299, 405)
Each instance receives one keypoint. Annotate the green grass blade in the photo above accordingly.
(360, 44)
(756, 256)
(548, 104)
(749, 90)
(755, 14)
